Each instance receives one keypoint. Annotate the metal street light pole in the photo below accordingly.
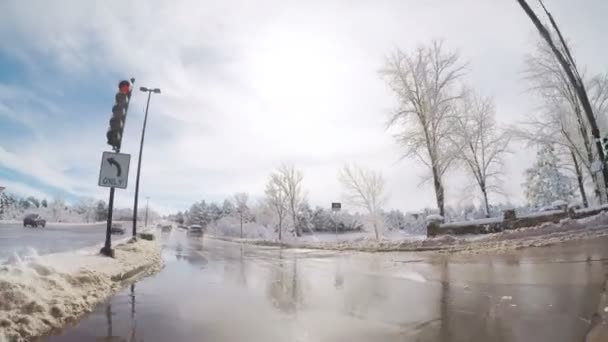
(141, 148)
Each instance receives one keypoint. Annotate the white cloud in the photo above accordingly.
(24, 190)
(247, 85)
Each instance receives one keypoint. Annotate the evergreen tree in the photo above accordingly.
(545, 183)
(227, 208)
(101, 210)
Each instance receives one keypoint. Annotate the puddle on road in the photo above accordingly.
(216, 291)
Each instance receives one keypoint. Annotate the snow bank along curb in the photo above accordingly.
(509, 221)
(43, 294)
(599, 322)
(542, 235)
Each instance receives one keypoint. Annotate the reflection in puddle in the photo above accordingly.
(218, 291)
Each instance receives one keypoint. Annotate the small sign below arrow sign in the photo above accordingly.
(114, 171)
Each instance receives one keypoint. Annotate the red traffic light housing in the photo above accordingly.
(124, 86)
(119, 114)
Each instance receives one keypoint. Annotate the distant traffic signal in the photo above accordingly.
(119, 114)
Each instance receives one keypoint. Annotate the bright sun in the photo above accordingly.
(296, 68)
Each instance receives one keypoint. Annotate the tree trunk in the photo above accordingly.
(438, 190)
(241, 226)
(596, 190)
(579, 178)
(485, 199)
(295, 223)
(376, 227)
(280, 228)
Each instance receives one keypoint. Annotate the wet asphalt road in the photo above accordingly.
(218, 291)
(17, 240)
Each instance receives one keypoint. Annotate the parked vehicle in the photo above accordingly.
(196, 230)
(117, 228)
(166, 228)
(34, 220)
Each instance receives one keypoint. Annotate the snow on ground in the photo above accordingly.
(44, 293)
(541, 235)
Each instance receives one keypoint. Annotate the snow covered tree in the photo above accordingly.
(561, 119)
(44, 203)
(290, 181)
(57, 207)
(179, 217)
(395, 220)
(86, 208)
(242, 210)
(277, 200)
(199, 214)
(4, 204)
(305, 217)
(426, 84)
(545, 183)
(481, 144)
(34, 201)
(566, 65)
(214, 212)
(365, 189)
(227, 208)
(101, 210)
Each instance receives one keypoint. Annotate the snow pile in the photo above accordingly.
(47, 292)
(434, 218)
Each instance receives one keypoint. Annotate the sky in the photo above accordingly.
(246, 86)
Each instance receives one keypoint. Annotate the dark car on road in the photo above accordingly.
(117, 228)
(34, 220)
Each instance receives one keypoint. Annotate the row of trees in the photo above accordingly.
(285, 208)
(57, 210)
(441, 122)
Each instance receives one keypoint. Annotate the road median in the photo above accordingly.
(43, 294)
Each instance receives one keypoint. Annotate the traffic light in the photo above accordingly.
(119, 114)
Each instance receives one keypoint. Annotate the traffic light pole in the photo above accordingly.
(107, 247)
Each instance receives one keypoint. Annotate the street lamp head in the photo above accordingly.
(143, 89)
(156, 91)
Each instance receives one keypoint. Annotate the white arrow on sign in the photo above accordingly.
(114, 170)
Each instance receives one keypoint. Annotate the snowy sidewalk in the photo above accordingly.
(39, 295)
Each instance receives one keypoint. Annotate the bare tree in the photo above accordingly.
(365, 189)
(426, 84)
(276, 199)
(567, 63)
(482, 145)
(240, 199)
(561, 119)
(290, 181)
(555, 130)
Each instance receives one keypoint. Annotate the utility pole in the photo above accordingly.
(141, 149)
